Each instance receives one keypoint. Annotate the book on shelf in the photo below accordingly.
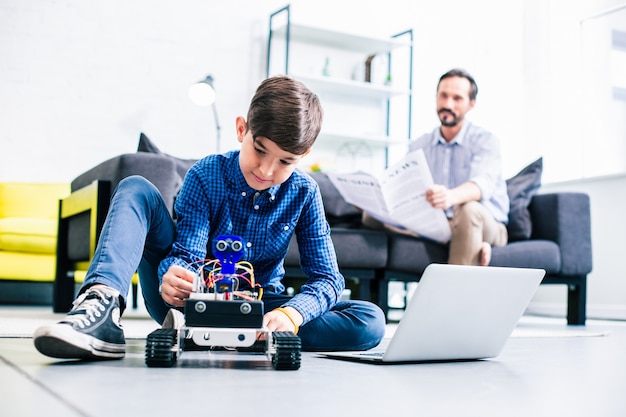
(397, 197)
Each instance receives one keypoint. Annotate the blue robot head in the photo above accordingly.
(228, 250)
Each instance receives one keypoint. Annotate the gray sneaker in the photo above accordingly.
(91, 330)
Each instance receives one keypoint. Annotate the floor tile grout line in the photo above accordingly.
(47, 389)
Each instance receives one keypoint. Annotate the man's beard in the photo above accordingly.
(448, 122)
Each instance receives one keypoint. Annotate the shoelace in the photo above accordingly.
(87, 307)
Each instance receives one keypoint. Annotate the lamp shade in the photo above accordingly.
(202, 92)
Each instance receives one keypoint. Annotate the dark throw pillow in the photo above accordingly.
(521, 189)
(182, 165)
(146, 145)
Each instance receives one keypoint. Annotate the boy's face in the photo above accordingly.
(262, 162)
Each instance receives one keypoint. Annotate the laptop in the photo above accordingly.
(456, 313)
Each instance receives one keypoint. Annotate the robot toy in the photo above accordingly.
(224, 311)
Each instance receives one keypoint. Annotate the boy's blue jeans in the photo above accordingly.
(138, 233)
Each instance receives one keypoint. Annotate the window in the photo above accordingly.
(604, 92)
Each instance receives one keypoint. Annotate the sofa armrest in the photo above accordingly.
(159, 169)
(89, 206)
(565, 218)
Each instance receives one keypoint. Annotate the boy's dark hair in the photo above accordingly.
(286, 112)
(461, 73)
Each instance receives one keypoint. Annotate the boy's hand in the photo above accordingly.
(176, 286)
(278, 321)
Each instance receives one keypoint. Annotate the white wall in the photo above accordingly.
(80, 80)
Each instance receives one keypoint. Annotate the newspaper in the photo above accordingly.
(398, 197)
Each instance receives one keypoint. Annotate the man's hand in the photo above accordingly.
(176, 286)
(279, 321)
(440, 197)
(443, 198)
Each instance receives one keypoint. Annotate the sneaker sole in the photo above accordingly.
(62, 341)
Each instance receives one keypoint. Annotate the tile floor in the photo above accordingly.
(546, 369)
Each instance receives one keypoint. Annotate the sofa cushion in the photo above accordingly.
(542, 254)
(355, 249)
(28, 235)
(412, 255)
(182, 165)
(31, 200)
(19, 266)
(521, 188)
(360, 248)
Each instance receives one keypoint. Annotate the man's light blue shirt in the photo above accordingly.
(473, 155)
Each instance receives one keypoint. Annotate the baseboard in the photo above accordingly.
(594, 311)
(26, 293)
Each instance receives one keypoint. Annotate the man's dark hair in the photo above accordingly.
(286, 112)
(461, 73)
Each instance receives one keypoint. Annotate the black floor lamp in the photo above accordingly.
(203, 94)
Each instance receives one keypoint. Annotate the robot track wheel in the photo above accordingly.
(288, 347)
(160, 350)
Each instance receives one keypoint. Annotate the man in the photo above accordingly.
(466, 167)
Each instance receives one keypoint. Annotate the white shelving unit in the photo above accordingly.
(350, 87)
(356, 111)
(337, 39)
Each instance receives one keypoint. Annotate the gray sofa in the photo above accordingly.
(558, 240)
(549, 231)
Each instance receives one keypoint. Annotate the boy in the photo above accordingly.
(256, 193)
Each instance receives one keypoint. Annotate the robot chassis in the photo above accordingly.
(218, 316)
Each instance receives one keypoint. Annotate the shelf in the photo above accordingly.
(340, 40)
(354, 104)
(350, 87)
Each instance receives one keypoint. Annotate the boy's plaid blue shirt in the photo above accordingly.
(216, 200)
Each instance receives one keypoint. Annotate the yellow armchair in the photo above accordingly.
(28, 230)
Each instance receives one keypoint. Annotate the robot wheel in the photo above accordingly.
(160, 348)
